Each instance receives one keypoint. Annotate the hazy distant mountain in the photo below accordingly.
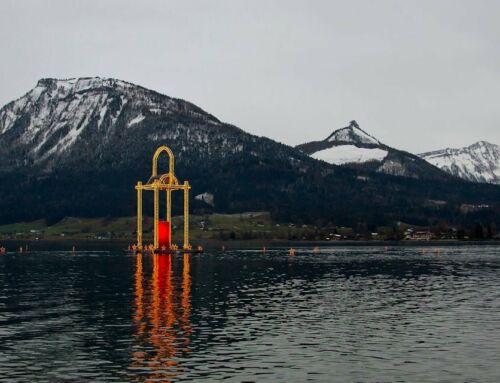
(479, 162)
(352, 146)
(77, 147)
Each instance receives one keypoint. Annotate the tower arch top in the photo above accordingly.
(171, 163)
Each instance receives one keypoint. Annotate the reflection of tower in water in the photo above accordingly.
(161, 318)
(186, 303)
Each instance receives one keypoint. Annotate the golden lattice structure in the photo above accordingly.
(163, 182)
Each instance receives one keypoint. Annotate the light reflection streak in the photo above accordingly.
(162, 308)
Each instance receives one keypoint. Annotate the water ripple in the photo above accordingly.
(338, 315)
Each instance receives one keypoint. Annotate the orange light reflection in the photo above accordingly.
(161, 317)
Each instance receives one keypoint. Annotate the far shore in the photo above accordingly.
(66, 244)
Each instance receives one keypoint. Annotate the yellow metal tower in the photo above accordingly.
(156, 183)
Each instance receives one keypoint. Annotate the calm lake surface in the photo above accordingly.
(359, 314)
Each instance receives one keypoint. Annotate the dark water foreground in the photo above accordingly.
(342, 315)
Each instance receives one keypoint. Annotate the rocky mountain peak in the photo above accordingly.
(352, 134)
(484, 145)
(354, 124)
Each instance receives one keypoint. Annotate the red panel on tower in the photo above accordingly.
(163, 234)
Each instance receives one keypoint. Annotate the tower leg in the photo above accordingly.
(186, 215)
(156, 215)
(139, 215)
(169, 214)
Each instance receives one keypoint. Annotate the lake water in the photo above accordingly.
(359, 314)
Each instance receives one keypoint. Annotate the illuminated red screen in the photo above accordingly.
(163, 234)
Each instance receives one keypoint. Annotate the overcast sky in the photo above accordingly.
(418, 75)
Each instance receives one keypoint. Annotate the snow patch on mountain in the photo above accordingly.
(348, 154)
(479, 162)
(395, 168)
(136, 120)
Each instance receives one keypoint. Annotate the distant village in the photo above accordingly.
(243, 227)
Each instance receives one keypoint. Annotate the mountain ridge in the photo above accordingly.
(479, 162)
(353, 147)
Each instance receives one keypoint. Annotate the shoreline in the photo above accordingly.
(12, 245)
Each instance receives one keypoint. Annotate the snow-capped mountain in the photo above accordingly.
(59, 121)
(352, 146)
(479, 162)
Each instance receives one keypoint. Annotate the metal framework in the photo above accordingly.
(156, 183)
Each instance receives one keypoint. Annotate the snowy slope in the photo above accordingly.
(346, 154)
(479, 162)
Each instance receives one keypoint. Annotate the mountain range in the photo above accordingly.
(76, 147)
(479, 162)
(351, 146)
